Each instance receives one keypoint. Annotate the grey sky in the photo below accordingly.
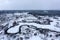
(29, 4)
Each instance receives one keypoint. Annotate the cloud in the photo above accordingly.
(29, 4)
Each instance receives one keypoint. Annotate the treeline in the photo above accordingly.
(48, 12)
(34, 12)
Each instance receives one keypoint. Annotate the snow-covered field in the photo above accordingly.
(24, 26)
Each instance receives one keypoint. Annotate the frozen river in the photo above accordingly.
(24, 26)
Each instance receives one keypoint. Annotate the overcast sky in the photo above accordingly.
(29, 4)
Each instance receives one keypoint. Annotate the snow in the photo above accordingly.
(43, 26)
(18, 14)
(9, 15)
(35, 38)
(29, 17)
(4, 24)
(3, 37)
(10, 23)
(51, 27)
(58, 18)
(13, 29)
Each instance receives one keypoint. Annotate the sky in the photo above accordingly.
(29, 4)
